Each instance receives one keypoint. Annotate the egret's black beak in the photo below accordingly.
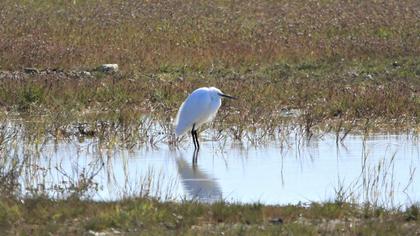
(226, 96)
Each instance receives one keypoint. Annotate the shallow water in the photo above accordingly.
(380, 169)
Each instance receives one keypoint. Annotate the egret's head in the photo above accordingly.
(219, 93)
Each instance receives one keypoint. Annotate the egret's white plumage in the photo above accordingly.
(200, 107)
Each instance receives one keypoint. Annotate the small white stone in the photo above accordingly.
(108, 68)
(85, 73)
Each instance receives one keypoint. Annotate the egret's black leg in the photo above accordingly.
(196, 144)
(196, 140)
(193, 137)
(197, 148)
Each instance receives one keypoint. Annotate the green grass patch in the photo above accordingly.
(147, 216)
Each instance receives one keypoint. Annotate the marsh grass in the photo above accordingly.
(377, 187)
(127, 104)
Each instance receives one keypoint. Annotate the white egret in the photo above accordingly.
(200, 107)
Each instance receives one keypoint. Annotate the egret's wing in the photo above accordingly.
(194, 110)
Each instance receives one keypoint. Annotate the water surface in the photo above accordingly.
(380, 169)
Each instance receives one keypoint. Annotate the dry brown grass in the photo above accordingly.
(146, 35)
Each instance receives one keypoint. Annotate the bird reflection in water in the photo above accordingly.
(197, 183)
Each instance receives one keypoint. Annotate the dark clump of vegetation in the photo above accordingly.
(150, 217)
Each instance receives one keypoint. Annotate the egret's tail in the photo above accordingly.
(179, 130)
(180, 126)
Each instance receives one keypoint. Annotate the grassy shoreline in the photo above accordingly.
(150, 217)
